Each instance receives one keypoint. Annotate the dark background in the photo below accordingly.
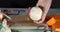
(24, 3)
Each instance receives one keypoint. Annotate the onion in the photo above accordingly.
(35, 13)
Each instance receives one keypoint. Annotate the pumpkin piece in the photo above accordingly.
(57, 29)
(51, 21)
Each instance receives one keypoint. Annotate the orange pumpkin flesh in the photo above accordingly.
(51, 21)
(54, 25)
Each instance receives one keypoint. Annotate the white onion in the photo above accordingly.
(35, 13)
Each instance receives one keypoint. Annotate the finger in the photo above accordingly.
(38, 22)
(29, 8)
(1, 16)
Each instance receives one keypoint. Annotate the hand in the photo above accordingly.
(46, 5)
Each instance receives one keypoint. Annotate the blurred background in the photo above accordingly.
(17, 10)
(25, 3)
